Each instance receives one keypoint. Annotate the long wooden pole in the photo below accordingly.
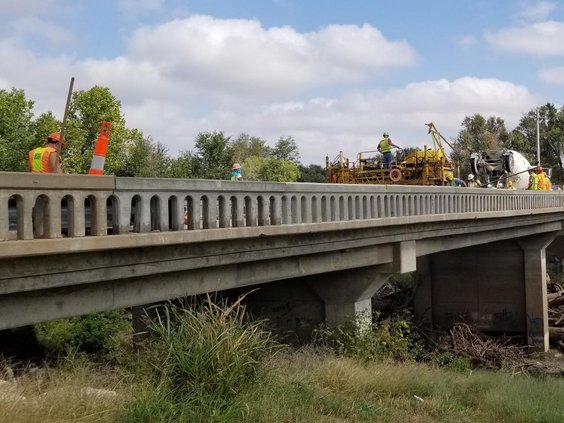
(64, 124)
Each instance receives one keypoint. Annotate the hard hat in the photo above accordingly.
(470, 176)
(54, 137)
(385, 134)
(236, 166)
(449, 177)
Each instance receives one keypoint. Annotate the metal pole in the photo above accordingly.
(538, 139)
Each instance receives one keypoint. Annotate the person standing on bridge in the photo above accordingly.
(533, 180)
(236, 172)
(385, 147)
(46, 159)
(473, 182)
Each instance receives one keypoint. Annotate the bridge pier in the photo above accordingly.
(348, 294)
(496, 287)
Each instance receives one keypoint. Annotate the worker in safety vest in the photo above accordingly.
(510, 184)
(473, 182)
(385, 147)
(543, 180)
(533, 180)
(46, 159)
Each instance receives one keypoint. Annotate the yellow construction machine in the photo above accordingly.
(429, 166)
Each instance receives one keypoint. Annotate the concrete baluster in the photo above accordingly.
(4, 217)
(53, 217)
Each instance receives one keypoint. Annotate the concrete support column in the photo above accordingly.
(534, 257)
(348, 294)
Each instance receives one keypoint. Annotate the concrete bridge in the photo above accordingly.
(76, 244)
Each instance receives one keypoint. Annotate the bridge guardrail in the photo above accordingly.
(52, 206)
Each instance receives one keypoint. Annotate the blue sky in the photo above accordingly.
(332, 74)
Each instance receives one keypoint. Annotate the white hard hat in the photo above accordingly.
(470, 176)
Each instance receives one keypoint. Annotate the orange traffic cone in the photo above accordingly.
(100, 150)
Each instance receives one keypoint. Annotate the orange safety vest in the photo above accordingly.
(39, 160)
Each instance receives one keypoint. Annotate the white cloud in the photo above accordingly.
(538, 11)
(240, 56)
(205, 74)
(552, 75)
(539, 39)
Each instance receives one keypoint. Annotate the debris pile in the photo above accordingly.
(481, 350)
(556, 314)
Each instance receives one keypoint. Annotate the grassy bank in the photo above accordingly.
(211, 365)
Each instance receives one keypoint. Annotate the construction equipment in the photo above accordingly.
(429, 166)
(498, 167)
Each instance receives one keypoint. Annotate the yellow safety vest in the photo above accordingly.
(541, 184)
(384, 146)
(534, 181)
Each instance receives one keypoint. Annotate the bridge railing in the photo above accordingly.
(52, 206)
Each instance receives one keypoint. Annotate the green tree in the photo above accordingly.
(214, 156)
(17, 135)
(312, 173)
(145, 158)
(246, 146)
(87, 111)
(478, 134)
(183, 166)
(551, 137)
(278, 170)
(286, 149)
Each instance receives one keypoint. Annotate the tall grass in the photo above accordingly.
(201, 360)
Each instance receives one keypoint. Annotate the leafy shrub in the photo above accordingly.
(391, 337)
(98, 334)
(451, 361)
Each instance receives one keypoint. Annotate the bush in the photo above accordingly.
(98, 334)
(391, 337)
(451, 361)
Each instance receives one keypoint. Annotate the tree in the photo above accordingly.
(279, 170)
(145, 158)
(551, 137)
(17, 135)
(214, 156)
(478, 134)
(86, 112)
(246, 146)
(312, 173)
(183, 166)
(286, 149)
